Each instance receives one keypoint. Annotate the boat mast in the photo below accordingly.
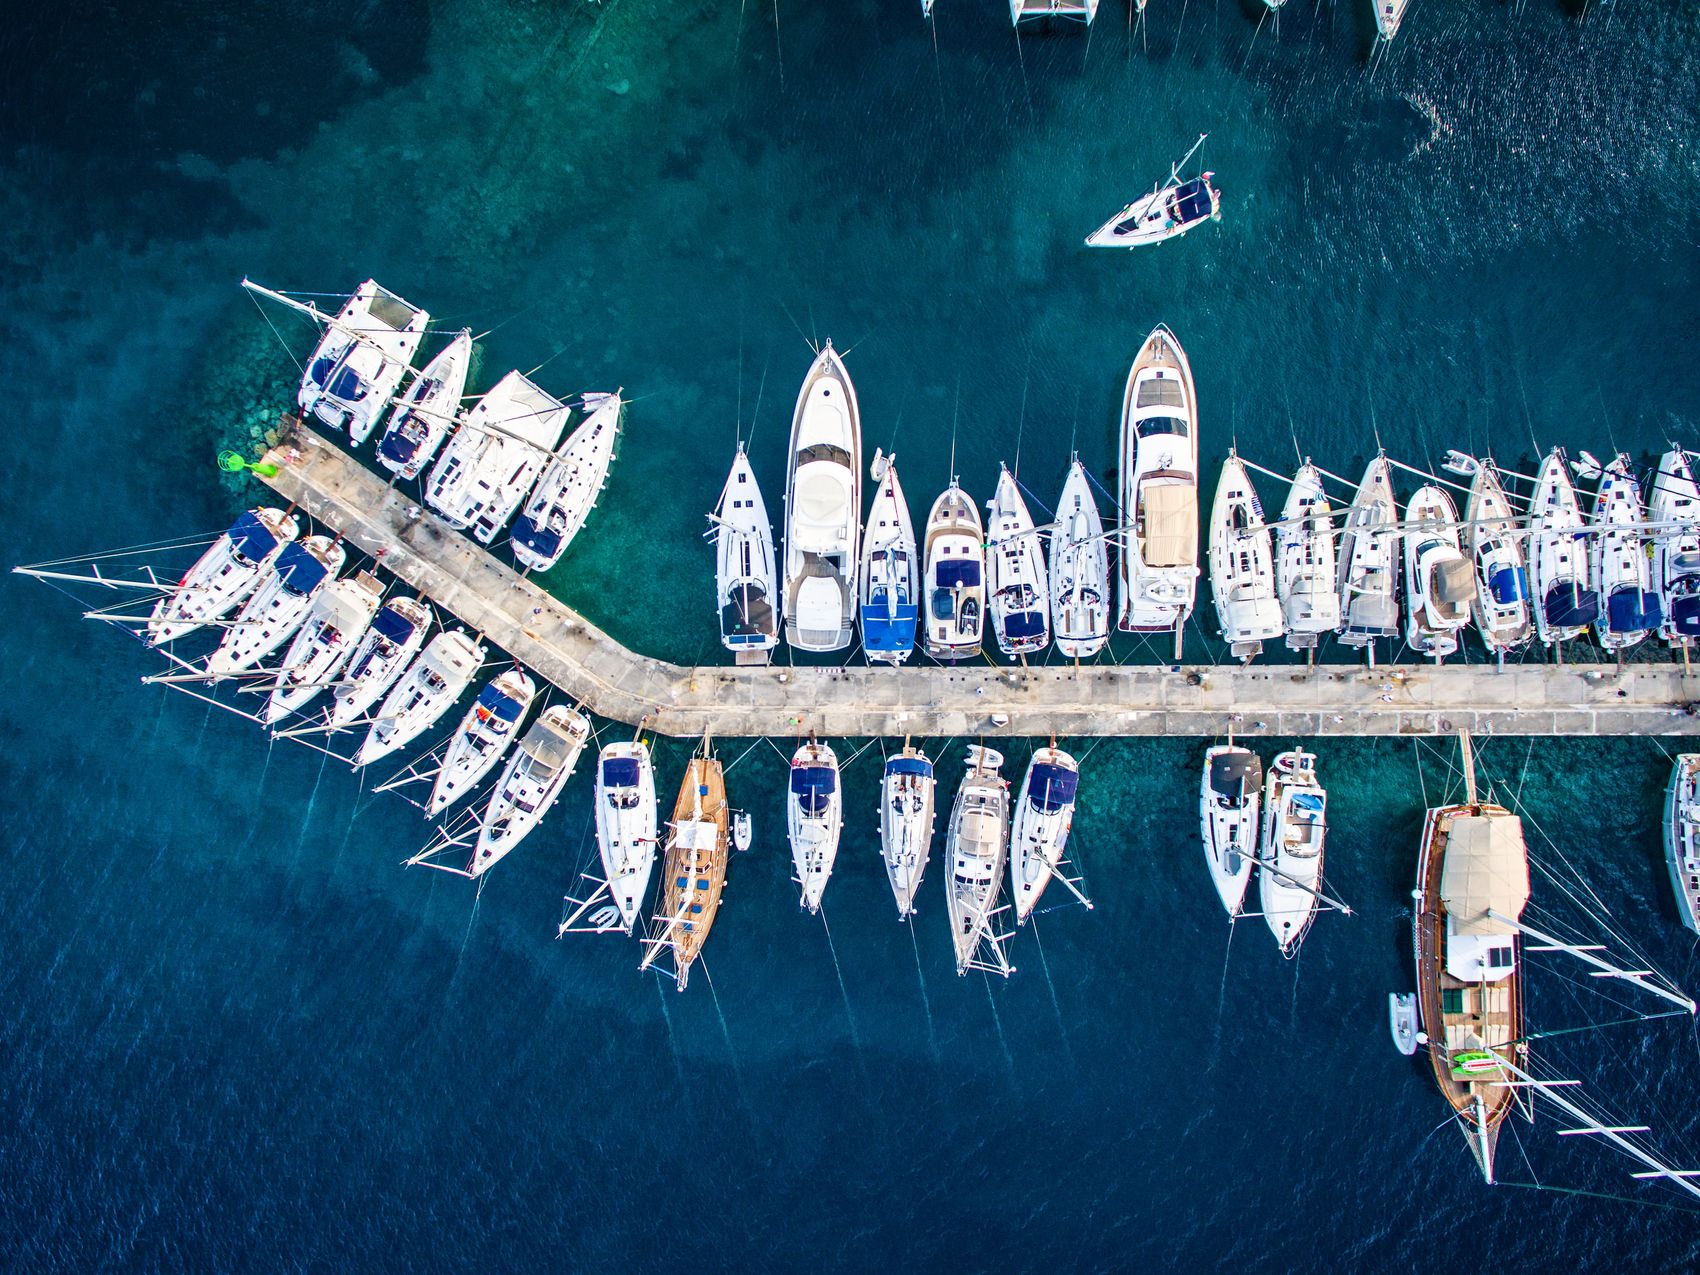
(1605, 968)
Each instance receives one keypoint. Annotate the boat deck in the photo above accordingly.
(554, 641)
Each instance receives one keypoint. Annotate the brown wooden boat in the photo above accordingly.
(693, 869)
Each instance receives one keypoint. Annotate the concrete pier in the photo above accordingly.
(925, 700)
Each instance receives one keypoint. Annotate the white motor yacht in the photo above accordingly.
(1307, 566)
(230, 570)
(423, 693)
(1439, 581)
(530, 783)
(364, 353)
(483, 735)
(626, 825)
(907, 790)
(567, 492)
(1682, 836)
(1079, 570)
(323, 644)
(1020, 595)
(890, 574)
(1501, 601)
(744, 571)
(1242, 566)
(956, 577)
(278, 606)
(394, 638)
(1565, 600)
(814, 817)
(823, 509)
(1159, 477)
(1673, 507)
(1038, 834)
(1369, 561)
(1629, 608)
(494, 457)
(427, 411)
(1233, 782)
(1295, 825)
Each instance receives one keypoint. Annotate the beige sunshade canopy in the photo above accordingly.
(1171, 525)
(1487, 868)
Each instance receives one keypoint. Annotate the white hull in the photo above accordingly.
(426, 413)
(1159, 491)
(1079, 570)
(1439, 581)
(484, 734)
(626, 825)
(1242, 564)
(823, 509)
(1369, 560)
(1673, 505)
(1307, 567)
(1228, 821)
(1295, 827)
(1388, 15)
(814, 819)
(425, 691)
(908, 789)
(1501, 603)
(224, 575)
(975, 849)
(956, 578)
(1166, 213)
(395, 636)
(323, 644)
(1621, 573)
(1015, 571)
(360, 360)
(889, 580)
(1565, 603)
(555, 512)
(744, 570)
(277, 608)
(1682, 837)
(1038, 835)
(530, 783)
(495, 456)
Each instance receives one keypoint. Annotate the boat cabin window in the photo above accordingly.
(1499, 958)
(1152, 426)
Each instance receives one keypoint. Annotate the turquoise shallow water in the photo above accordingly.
(237, 1035)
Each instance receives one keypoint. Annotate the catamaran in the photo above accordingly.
(278, 606)
(1038, 835)
(743, 558)
(1159, 496)
(1630, 609)
(1388, 15)
(1673, 506)
(425, 414)
(823, 506)
(230, 570)
(1439, 581)
(432, 683)
(956, 579)
(530, 783)
(395, 636)
(1079, 570)
(1172, 208)
(1289, 879)
(1369, 561)
(975, 848)
(1565, 601)
(1307, 570)
(482, 737)
(323, 644)
(890, 569)
(693, 875)
(907, 789)
(625, 824)
(1242, 567)
(1015, 570)
(814, 818)
(1227, 811)
(567, 492)
(1682, 836)
(1501, 600)
(495, 456)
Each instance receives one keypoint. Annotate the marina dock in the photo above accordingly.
(930, 701)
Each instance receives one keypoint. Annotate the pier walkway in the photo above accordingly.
(925, 700)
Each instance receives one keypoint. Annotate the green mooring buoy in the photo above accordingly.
(235, 463)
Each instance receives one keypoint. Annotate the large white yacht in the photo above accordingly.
(230, 570)
(889, 580)
(1038, 834)
(956, 577)
(1079, 570)
(323, 644)
(1501, 600)
(744, 571)
(975, 849)
(495, 456)
(1227, 809)
(1673, 507)
(567, 492)
(814, 818)
(1295, 824)
(823, 509)
(278, 606)
(1019, 593)
(482, 737)
(430, 685)
(626, 825)
(1242, 566)
(1369, 561)
(394, 637)
(1560, 581)
(907, 790)
(1159, 489)
(1306, 565)
(365, 351)
(1629, 609)
(427, 411)
(530, 783)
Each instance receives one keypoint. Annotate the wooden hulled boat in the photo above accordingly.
(694, 869)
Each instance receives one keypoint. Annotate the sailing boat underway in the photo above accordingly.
(1289, 879)
(889, 570)
(743, 562)
(975, 849)
(1242, 570)
(1172, 208)
(1080, 570)
(694, 874)
(906, 824)
(567, 492)
(1015, 569)
(823, 507)
(1306, 569)
(956, 584)
(1159, 473)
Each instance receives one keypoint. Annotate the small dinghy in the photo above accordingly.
(567, 492)
(429, 409)
(625, 825)
(1673, 506)
(743, 831)
(481, 738)
(276, 609)
(495, 456)
(1079, 570)
(1159, 489)
(1629, 608)
(396, 633)
(1369, 561)
(1242, 567)
(431, 684)
(359, 363)
(1295, 824)
(1171, 209)
(1565, 602)
(1501, 601)
(1439, 581)
(1038, 835)
(956, 579)
(230, 570)
(975, 849)
(1015, 571)
(323, 644)
(1682, 836)
(1233, 781)
(1306, 566)
(744, 572)
(814, 818)
(530, 783)
(823, 509)
(889, 576)
(907, 791)
(1402, 1018)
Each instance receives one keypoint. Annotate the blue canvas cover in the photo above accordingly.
(1053, 786)
(620, 772)
(347, 385)
(883, 631)
(1024, 624)
(1685, 615)
(813, 786)
(1192, 200)
(1509, 585)
(1569, 604)
(496, 702)
(1633, 611)
(320, 370)
(909, 766)
(540, 540)
(397, 446)
(961, 573)
(301, 571)
(391, 624)
(249, 537)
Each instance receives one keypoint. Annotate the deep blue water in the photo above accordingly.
(237, 1035)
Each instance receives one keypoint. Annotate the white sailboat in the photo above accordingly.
(744, 572)
(427, 411)
(1079, 570)
(482, 737)
(230, 570)
(1015, 573)
(563, 498)
(975, 849)
(1233, 781)
(1242, 567)
(1307, 568)
(1038, 835)
(1629, 609)
(626, 825)
(823, 507)
(432, 683)
(889, 578)
(956, 577)
(530, 783)
(814, 818)
(1565, 600)
(1369, 561)
(1173, 207)
(1159, 489)
(1295, 825)
(1682, 836)
(1388, 15)
(278, 606)
(323, 644)
(1501, 601)
(1673, 506)
(1439, 581)
(907, 791)
(394, 637)
(495, 456)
